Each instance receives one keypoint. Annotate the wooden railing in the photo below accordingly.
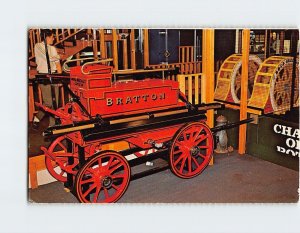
(186, 54)
(60, 36)
(190, 85)
(34, 37)
(184, 68)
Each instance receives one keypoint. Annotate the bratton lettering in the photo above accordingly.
(136, 99)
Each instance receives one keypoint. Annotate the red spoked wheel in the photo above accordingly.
(191, 150)
(103, 179)
(57, 164)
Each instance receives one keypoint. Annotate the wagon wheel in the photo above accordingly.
(191, 150)
(236, 74)
(103, 179)
(281, 88)
(252, 69)
(58, 167)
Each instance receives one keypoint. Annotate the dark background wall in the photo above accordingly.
(157, 45)
(224, 44)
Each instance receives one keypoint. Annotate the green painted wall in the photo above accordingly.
(262, 141)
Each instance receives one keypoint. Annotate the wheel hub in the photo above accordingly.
(107, 182)
(194, 151)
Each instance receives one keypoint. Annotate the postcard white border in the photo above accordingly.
(16, 215)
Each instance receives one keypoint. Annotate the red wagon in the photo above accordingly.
(147, 114)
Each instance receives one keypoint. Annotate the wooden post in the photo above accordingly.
(190, 88)
(31, 35)
(204, 62)
(102, 44)
(244, 89)
(31, 103)
(125, 55)
(77, 55)
(282, 33)
(132, 50)
(95, 46)
(237, 41)
(33, 176)
(267, 44)
(63, 33)
(207, 79)
(181, 81)
(197, 88)
(240, 44)
(146, 47)
(57, 35)
(115, 49)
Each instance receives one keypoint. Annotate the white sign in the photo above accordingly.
(292, 142)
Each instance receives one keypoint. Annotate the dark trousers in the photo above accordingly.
(47, 101)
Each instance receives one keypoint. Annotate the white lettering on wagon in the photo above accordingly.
(134, 99)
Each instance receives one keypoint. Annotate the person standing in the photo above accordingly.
(42, 68)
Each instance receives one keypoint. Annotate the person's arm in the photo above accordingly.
(54, 55)
(58, 67)
(56, 59)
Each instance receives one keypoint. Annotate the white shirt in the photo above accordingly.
(40, 57)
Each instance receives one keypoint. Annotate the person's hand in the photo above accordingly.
(58, 67)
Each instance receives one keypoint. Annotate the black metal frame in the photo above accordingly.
(107, 131)
(104, 124)
(227, 102)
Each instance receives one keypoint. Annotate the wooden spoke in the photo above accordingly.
(189, 158)
(181, 157)
(89, 190)
(106, 193)
(202, 156)
(62, 146)
(96, 195)
(178, 151)
(115, 168)
(195, 162)
(182, 164)
(115, 187)
(109, 162)
(87, 181)
(200, 139)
